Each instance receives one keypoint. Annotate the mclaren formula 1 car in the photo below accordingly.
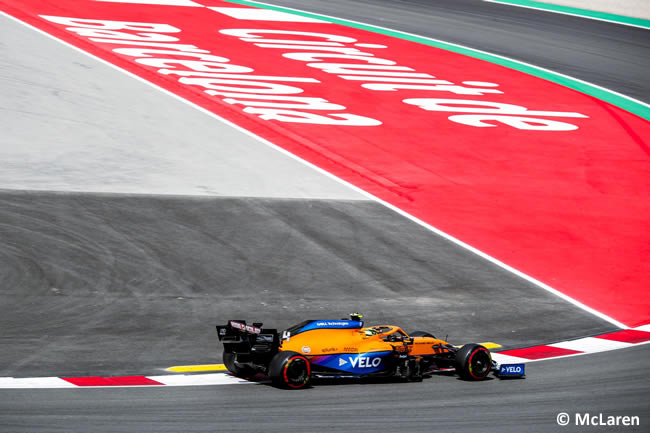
(346, 349)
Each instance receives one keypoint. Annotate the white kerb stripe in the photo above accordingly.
(591, 345)
(35, 382)
(507, 359)
(198, 379)
(644, 328)
(265, 15)
(157, 2)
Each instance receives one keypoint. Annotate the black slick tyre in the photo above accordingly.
(473, 362)
(290, 370)
(229, 362)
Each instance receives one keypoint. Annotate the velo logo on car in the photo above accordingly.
(361, 362)
(357, 364)
(512, 370)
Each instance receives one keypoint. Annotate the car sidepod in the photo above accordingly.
(357, 364)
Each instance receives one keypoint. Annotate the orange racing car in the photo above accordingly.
(346, 349)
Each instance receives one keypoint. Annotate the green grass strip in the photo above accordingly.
(640, 22)
(639, 108)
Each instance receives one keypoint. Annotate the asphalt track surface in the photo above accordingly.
(131, 284)
(609, 55)
(438, 404)
(102, 284)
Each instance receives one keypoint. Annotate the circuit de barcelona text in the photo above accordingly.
(276, 97)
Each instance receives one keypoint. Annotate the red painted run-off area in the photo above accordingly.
(112, 381)
(570, 208)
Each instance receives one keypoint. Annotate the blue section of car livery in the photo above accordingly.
(355, 363)
(512, 370)
(331, 324)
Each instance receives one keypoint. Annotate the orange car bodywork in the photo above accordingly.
(365, 340)
(345, 349)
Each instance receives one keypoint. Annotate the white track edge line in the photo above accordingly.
(510, 59)
(331, 176)
(568, 13)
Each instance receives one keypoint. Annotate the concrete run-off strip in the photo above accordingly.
(629, 13)
(628, 8)
(72, 123)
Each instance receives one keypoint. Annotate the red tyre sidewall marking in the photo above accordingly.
(469, 362)
(286, 367)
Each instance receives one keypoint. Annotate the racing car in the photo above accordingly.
(337, 349)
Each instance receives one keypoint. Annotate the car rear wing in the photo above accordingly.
(239, 337)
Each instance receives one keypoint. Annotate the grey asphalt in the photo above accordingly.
(109, 284)
(611, 383)
(610, 55)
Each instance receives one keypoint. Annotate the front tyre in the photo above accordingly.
(290, 370)
(473, 362)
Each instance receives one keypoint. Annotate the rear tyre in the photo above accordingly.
(473, 362)
(290, 370)
(421, 334)
(229, 362)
